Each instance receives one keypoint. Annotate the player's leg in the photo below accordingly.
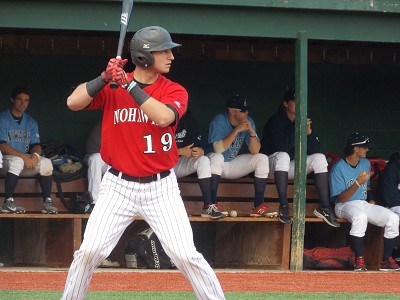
(245, 164)
(354, 212)
(318, 164)
(202, 166)
(279, 163)
(396, 210)
(45, 168)
(217, 163)
(12, 167)
(167, 216)
(383, 217)
(96, 169)
(113, 212)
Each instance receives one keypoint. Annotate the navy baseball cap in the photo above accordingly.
(290, 95)
(358, 140)
(238, 102)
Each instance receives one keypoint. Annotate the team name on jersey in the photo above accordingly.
(181, 135)
(131, 115)
(237, 143)
(18, 136)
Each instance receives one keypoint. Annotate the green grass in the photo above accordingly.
(45, 295)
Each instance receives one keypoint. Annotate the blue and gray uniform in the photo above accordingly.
(230, 164)
(22, 135)
(220, 128)
(357, 210)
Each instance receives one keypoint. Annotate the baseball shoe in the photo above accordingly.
(219, 207)
(262, 211)
(359, 264)
(389, 265)
(107, 263)
(327, 215)
(284, 214)
(49, 207)
(211, 211)
(10, 206)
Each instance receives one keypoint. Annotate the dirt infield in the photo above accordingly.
(231, 281)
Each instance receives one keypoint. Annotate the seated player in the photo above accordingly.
(349, 184)
(227, 133)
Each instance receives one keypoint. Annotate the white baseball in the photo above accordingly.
(233, 213)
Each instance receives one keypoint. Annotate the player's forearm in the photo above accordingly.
(222, 145)
(158, 112)
(347, 194)
(79, 99)
(254, 146)
(36, 149)
(8, 150)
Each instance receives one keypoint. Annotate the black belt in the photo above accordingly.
(146, 179)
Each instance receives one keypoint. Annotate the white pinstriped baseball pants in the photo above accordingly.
(161, 206)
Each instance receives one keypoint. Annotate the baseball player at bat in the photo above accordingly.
(138, 143)
(192, 159)
(227, 133)
(349, 185)
(278, 143)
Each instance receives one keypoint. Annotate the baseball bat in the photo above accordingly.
(126, 12)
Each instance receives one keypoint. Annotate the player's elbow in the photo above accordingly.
(72, 104)
(164, 122)
(218, 147)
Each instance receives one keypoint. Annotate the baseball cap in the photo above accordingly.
(290, 95)
(358, 140)
(238, 102)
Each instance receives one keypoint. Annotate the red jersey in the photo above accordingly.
(130, 141)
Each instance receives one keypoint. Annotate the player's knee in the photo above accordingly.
(360, 220)
(216, 162)
(16, 165)
(46, 167)
(261, 161)
(203, 167)
(282, 162)
(393, 221)
(318, 163)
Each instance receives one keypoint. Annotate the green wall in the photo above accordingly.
(342, 98)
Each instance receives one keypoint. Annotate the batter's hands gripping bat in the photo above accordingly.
(127, 6)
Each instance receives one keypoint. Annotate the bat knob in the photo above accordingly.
(113, 85)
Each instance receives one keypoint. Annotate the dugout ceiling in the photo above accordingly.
(350, 20)
(340, 32)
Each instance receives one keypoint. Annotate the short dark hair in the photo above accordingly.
(348, 150)
(19, 90)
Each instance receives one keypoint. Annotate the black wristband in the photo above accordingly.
(137, 93)
(94, 86)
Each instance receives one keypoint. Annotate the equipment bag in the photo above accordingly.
(149, 252)
(76, 203)
(67, 166)
(320, 258)
(377, 166)
(331, 158)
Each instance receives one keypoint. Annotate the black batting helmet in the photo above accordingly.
(147, 40)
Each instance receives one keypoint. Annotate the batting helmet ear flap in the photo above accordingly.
(142, 59)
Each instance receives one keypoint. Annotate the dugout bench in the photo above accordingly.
(246, 242)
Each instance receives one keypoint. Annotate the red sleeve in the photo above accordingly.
(98, 100)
